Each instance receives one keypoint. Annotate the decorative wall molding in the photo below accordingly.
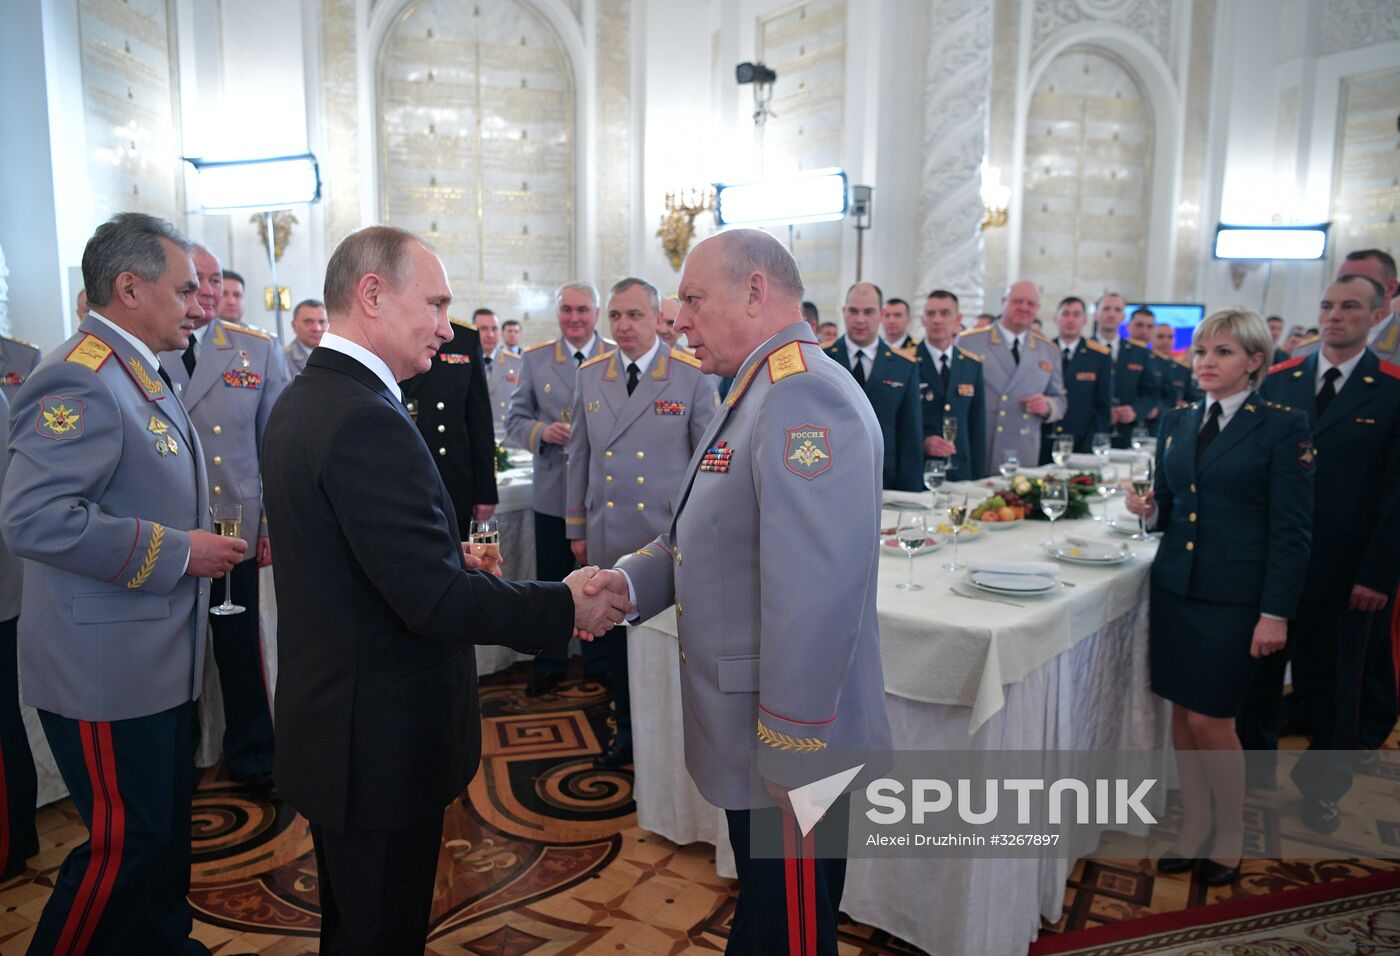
(957, 84)
(614, 141)
(1193, 200)
(1150, 19)
(340, 105)
(1350, 24)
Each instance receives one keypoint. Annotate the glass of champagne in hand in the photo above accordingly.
(228, 523)
(950, 429)
(911, 534)
(484, 542)
(1141, 478)
(957, 515)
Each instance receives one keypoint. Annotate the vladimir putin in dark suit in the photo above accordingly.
(377, 717)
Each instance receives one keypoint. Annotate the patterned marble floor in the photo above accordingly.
(543, 857)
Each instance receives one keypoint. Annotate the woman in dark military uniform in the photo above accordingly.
(1233, 494)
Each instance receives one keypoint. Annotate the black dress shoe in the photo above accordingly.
(1169, 862)
(1218, 874)
(541, 684)
(1321, 816)
(261, 785)
(615, 757)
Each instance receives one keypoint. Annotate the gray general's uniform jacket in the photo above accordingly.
(237, 380)
(17, 360)
(628, 454)
(11, 568)
(544, 395)
(771, 562)
(296, 354)
(106, 478)
(501, 375)
(1009, 426)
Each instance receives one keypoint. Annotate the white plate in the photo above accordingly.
(1011, 583)
(1093, 552)
(999, 525)
(1126, 526)
(503, 480)
(891, 546)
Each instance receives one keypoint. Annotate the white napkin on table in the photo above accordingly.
(1085, 461)
(1045, 568)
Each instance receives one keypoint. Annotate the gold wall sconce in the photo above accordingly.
(282, 222)
(996, 198)
(678, 222)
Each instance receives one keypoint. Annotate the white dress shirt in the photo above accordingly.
(1346, 368)
(643, 361)
(853, 350)
(365, 357)
(1228, 406)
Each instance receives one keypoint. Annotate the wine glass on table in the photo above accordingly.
(1054, 501)
(1061, 449)
(935, 471)
(1140, 437)
(1141, 477)
(1010, 464)
(1106, 484)
(228, 523)
(484, 543)
(1100, 444)
(957, 516)
(912, 534)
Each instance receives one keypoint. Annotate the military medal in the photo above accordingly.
(161, 447)
(243, 359)
(663, 407)
(717, 458)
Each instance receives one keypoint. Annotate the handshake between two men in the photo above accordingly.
(600, 597)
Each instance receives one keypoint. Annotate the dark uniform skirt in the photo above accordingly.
(1199, 652)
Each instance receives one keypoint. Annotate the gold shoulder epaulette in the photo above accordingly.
(1041, 337)
(909, 355)
(982, 331)
(1307, 341)
(1097, 346)
(90, 352)
(972, 355)
(684, 357)
(246, 330)
(786, 362)
(463, 323)
(595, 360)
(27, 344)
(1278, 406)
(542, 345)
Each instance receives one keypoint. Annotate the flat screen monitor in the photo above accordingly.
(1184, 316)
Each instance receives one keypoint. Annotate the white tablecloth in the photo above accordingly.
(1065, 673)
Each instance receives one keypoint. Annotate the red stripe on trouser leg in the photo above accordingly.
(116, 840)
(793, 893)
(97, 843)
(809, 893)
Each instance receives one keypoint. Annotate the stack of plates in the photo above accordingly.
(1125, 525)
(1090, 552)
(1012, 584)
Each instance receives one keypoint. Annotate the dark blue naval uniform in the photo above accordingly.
(1237, 527)
(892, 385)
(1088, 376)
(1137, 381)
(1177, 387)
(1355, 540)
(964, 399)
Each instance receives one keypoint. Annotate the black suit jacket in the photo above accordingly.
(459, 433)
(377, 717)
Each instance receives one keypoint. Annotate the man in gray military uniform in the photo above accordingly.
(502, 370)
(639, 413)
(1021, 369)
(309, 323)
(17, 360)
(106, 499)
(1384, 337)
(541, 409)
(229, 377)
(774, 588)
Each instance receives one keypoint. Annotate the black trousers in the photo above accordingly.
(376, 887)
(613, 648)
(787, 905)
(19, 784)
(1327, 645)
(123, 890)
(1379, 707)
(554, 559)
(238, 650)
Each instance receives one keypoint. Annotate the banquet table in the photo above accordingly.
(1063, 672)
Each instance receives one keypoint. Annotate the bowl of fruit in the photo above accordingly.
(1000, 511)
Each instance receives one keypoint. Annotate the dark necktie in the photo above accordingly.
(1069, 354)
(166, 376)
(1016, 350)
(632, 374)
(943, 370)
(1328, 391)
(578, 357)
(188, 357)
(488, 363)
(859, 370)
(1209, 431)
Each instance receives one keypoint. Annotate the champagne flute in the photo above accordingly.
(1101, 444)
(1010, 464)
(1062, 448)
(935, 470)
(950, 429)
(484, 542)
(957, 514)
(228, 523)
(1141, 477)
(1054, 501)
(1107, 486)
(912, 534)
